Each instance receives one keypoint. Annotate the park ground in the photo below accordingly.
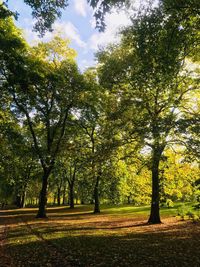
(118, 236)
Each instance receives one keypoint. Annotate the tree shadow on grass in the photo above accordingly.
(173, 248)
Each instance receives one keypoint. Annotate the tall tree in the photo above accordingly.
(44, 84)
(150, 82)
(98, 130)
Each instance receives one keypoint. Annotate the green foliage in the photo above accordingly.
(187, 213)
(169, 203)
(45, 12)
(101, 8)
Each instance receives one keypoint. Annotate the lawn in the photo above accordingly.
(118, 236)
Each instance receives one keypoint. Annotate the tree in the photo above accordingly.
(44, 85)
(151, 83)
(72, 161)
(45, 12)
(17, 159)
(98, 130)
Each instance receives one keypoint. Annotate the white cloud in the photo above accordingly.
(114, 22)
(65, 29)
(80, 7)
(85, 64)
(30, 36)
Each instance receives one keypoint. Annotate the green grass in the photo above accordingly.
(118, 236)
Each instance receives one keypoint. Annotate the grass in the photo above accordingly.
(118, 236)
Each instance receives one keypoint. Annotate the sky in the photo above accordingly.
(77, 24)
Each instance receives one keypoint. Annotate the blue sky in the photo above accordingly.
(77, 24)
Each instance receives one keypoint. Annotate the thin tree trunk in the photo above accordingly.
(71, 195)
(43, 196)
(155, 209)
(27, 175)
(54, 199)
(23, 198)
(58, 196)
(64, 195)
(96, 196)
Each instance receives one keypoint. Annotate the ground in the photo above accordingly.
(118, 236)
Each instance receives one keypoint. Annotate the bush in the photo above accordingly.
(187, 214)
(169, 203)
(193, 216)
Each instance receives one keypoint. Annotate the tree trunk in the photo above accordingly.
(58, 196)
(155, 209)
(54, 199)
(18, 201)
(71, 195)
(23, 198)
(96, 196)
(64, 195)
(43, 196)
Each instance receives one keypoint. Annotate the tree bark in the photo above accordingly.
(54, 199)
(43, 196)
(23, 197)
(18, 201)
(58, 195)
(71, 195)
(64, 195)
(96, 196)
(155, 199)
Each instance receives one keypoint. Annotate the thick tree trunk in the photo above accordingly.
(96, 196)
(43, 196)
(155, 209)
(71, 195)
(18, 201)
